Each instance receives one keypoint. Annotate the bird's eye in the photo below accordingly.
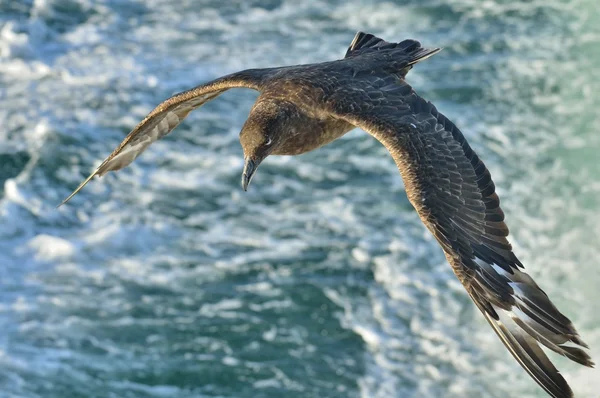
(269, 141)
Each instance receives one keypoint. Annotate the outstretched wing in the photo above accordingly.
(167, 115)
(454, 195)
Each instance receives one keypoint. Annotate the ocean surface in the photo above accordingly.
(167, 280)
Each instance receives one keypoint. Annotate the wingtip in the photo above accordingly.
(79, 188)
(577, 340)
(65, 201)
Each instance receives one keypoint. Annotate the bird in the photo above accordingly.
(304, 107)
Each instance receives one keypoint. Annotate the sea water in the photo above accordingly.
(166, 279)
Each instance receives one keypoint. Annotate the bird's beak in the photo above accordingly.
(249, 169)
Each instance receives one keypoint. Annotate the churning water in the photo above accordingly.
(165, 279)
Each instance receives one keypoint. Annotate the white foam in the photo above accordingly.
(48, 247)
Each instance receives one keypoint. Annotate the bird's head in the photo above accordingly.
(263, 133)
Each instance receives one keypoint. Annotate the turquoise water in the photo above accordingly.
(167, 280)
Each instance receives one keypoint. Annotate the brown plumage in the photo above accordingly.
(301, 108)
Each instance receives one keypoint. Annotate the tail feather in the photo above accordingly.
(410, 51)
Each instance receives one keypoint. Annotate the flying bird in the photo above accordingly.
(303, 107)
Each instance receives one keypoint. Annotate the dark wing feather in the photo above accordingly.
(365, 42)
(167, 115)
(398, 57)
(454, 195)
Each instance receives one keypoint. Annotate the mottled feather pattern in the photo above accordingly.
(454, 194)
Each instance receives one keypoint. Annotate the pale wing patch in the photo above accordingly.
(153, 128)
(152, 131)
(130, 151)
(531, 314)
